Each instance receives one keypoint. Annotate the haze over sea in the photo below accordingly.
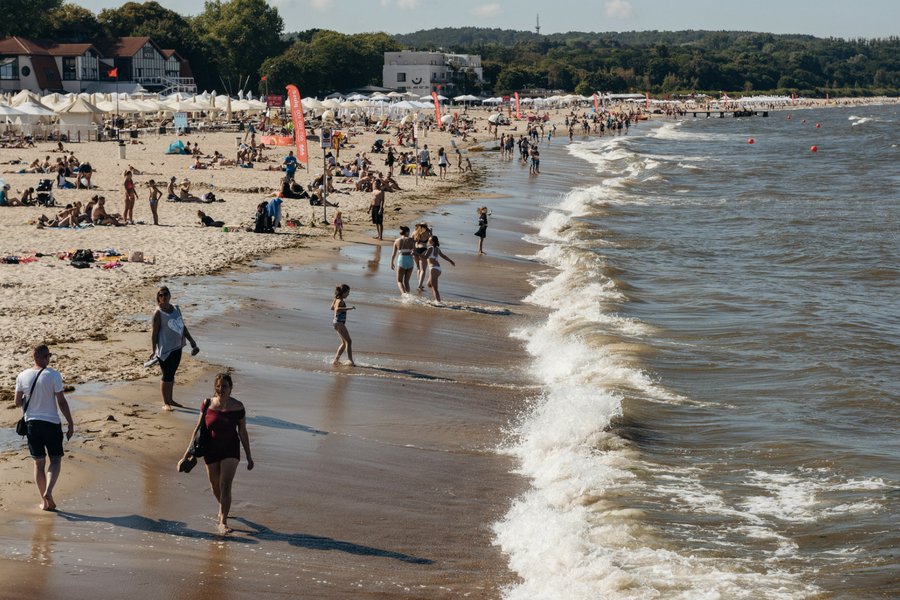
(719, 364)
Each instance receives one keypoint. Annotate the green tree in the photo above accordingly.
(74, 23)
(241, 34)
(27, 18)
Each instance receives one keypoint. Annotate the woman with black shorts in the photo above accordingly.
(168, 338)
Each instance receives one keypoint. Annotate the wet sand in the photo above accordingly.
(379, 481)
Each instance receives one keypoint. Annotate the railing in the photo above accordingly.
(170, 84)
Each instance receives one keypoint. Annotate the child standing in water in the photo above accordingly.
(338, 226)
(340, 308)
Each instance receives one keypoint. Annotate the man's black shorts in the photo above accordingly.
(377, 215)
(44, 438)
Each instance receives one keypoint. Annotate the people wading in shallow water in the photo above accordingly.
(167, 339)
(403, 255)
(340, 308)
(226, 422)
(434, 271)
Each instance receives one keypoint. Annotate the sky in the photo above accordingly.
(823, 18)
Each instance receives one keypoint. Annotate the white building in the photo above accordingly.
(46, 66)
(426, 72)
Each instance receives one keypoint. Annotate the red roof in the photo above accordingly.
(23, 46)
(125, 47)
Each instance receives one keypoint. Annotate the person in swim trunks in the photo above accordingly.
(376, 207)
(402, 258)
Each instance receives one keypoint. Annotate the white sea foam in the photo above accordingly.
(675, 131)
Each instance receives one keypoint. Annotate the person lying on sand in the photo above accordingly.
(207, 221)
(67, 217)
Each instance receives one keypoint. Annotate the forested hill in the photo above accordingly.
(674, 61)
(467, 37)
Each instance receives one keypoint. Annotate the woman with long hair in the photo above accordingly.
(403, 253)
(340, 308)
(420, 238)
(434, 270)
(226, 421)
(167, 337)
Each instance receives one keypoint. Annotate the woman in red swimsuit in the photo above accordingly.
(226, 422)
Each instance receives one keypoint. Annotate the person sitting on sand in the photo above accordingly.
(207, 221)
(85, 172)
(292, 189)
(61, 181)
(5, 198)
(184, 192)
(68, 217)
(34, 167)
(85, 216)
(171, 192)
(198, 164)
(262, 223)
(101, 217)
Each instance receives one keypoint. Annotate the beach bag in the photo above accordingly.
(21, 424)
(83, 255)
(201, 441)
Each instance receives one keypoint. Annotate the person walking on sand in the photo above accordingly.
(167, 338)
(130, 198)
(338, 224)
(340, 308)
(434, 271)
(403, 253)
(226, 421)
(442, 164)
(482, 228)
(39, 391)
(155, 195)
(376, 207)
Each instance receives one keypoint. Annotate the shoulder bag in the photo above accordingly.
(21, 425)
(201, 440)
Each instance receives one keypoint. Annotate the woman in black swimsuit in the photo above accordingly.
(339, 321)
(421, 235)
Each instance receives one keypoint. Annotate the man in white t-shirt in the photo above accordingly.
(42, 388)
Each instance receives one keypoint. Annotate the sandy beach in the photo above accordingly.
(97, 320)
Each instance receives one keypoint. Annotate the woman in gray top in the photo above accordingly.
(168, 338)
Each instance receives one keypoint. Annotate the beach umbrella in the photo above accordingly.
(494, 118)
(447, 119)
(331, 103)
(466, 98)
(327, 116)
(9, 111)
(396, 95)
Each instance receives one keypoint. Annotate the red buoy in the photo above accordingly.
(803, 121)
(750, 141)
(818, 125)
(813, 148)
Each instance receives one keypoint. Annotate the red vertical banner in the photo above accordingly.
(437, 109)
(518, 112)
(299, 123)
(596, 103)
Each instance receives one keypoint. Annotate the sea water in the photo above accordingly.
(719, 365)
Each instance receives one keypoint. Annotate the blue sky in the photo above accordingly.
(825, 18)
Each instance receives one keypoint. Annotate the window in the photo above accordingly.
(69, 69)
(9, 68)
(401, 77)
(148, 52)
